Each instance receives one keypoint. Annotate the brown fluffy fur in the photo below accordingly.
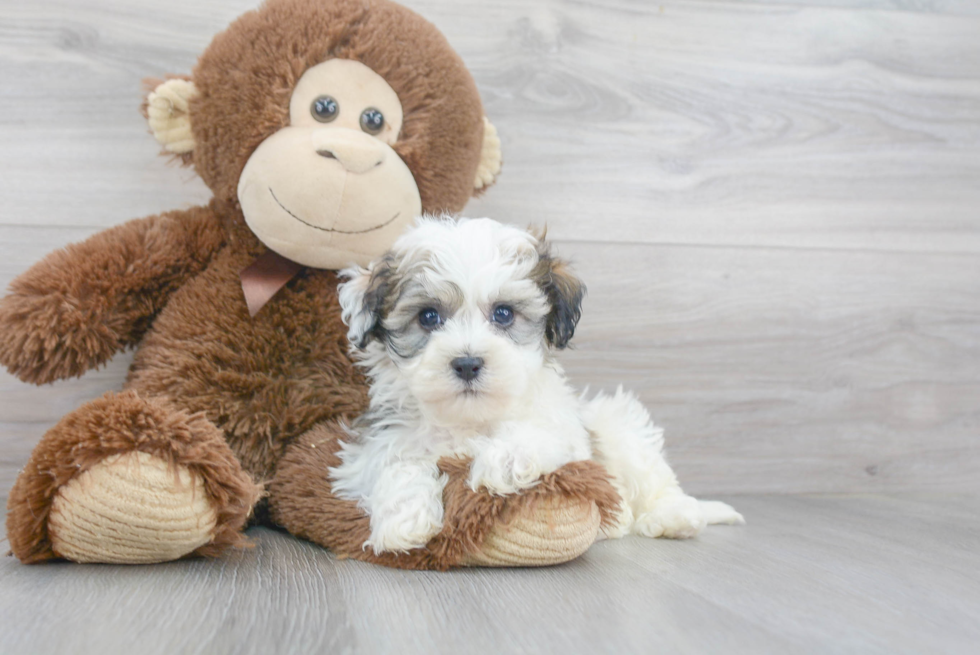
(302, 502)
(211, 388)
(77, 307)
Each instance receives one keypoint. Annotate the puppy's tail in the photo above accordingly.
(716, 512)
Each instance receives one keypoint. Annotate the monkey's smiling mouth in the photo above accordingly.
(328, 229)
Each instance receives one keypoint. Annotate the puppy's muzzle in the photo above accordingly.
(467, 368)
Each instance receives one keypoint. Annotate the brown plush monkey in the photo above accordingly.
(323, 128)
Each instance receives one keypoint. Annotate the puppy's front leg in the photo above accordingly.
(518, 453)
(405, 506)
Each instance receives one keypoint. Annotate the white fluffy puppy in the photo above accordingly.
(457, 327)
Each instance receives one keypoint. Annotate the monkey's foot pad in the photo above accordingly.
(131, 509)
(552, 531)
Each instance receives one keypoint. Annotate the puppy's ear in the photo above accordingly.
(565, 293)
(361, 300)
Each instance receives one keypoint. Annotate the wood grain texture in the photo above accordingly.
(868, 574)
(774, 205)
(738, 124)
(778, 124)
(812, 370)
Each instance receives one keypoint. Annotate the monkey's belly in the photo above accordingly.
(263, 380)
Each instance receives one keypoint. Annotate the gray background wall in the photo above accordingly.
(775, 204)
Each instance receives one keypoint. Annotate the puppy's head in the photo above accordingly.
(461, 316)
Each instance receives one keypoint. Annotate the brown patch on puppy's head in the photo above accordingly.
(565, 294)
(363, 299)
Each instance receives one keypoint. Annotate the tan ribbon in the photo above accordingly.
(263, 278)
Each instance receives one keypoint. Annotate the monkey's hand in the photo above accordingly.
(80, 305)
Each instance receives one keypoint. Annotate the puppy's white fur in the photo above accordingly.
(518, 419)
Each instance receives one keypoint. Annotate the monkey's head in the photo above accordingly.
(333, 124)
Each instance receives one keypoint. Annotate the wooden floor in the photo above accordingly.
(776, 207)
(828, 574)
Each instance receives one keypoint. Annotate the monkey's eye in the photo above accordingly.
(324, 109)
(503, 315)
(429, 318)
(372, 120)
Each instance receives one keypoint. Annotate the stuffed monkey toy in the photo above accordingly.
(323, 128)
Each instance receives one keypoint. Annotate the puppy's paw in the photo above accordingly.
(406, 507)
(411, 525)
(672, 517)
(503, 469)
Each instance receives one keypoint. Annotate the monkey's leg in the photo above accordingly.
(125, 479)
(553, 522)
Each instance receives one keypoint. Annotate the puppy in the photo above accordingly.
(458, 327)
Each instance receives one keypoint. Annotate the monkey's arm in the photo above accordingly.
(80, 305)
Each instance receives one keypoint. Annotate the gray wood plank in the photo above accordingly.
(868, 574)
(947, 7)
(735, 123)
(686, 122)
(792, 371)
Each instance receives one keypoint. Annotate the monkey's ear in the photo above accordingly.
(490, 158)
(166, 110)
(361, 299)
(565, 294)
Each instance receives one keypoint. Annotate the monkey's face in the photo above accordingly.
(328, 188)
(333, 123)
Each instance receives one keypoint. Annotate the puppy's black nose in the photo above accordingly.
(467, 368)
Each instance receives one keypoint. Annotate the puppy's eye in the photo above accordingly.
(325, 109)
(503, 315)
(372, 120)
(429, 318)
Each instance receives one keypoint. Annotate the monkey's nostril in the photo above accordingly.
(467, 368)
(358, 154)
